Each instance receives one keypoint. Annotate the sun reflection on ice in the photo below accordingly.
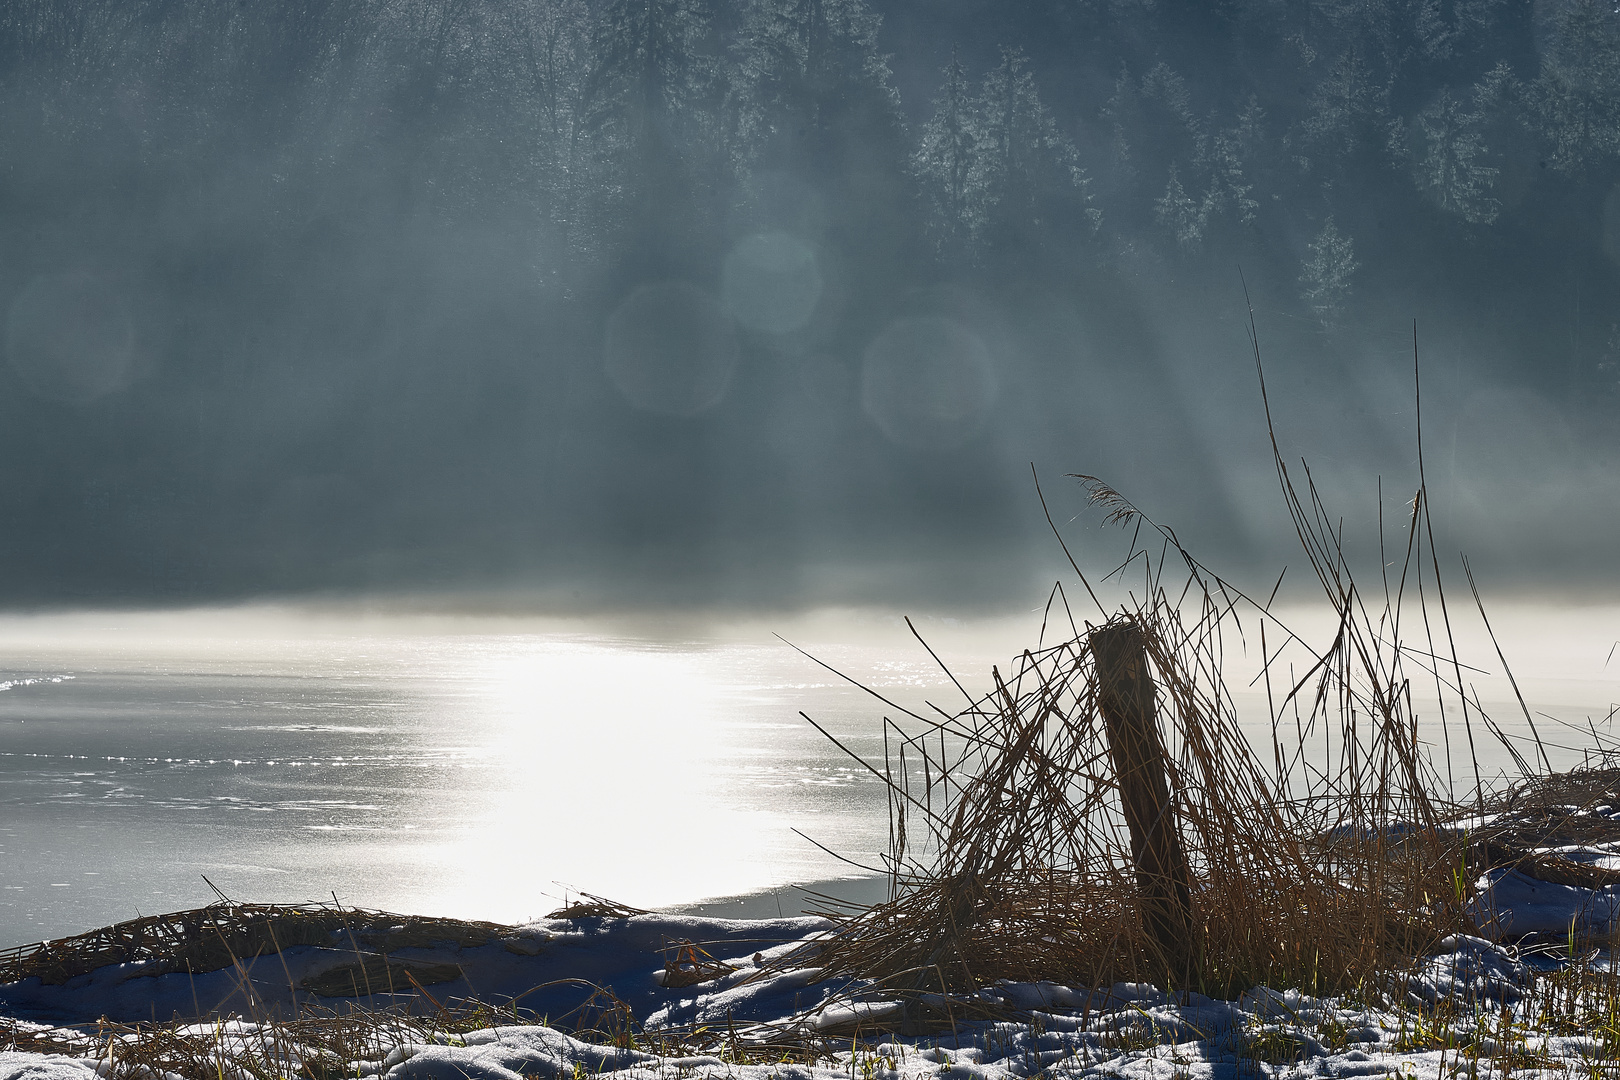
(607, 762)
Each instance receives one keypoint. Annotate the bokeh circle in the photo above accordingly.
(772, 282)
(928, 383)
(669, 349)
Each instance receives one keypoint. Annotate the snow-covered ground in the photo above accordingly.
(1128, 1030)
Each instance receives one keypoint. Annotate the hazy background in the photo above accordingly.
(644, 303)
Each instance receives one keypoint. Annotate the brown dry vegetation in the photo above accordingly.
(1011, 857)
(217, 936)
(1013, 860)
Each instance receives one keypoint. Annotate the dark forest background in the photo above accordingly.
(775, 301)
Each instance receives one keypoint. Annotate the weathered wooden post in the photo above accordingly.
(1125, 695)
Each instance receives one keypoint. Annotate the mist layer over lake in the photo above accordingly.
(485, 768)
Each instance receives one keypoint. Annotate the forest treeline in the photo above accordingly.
(634, 133)
(357, 250)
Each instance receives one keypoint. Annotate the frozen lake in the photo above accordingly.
(479, 768)
(485, 768)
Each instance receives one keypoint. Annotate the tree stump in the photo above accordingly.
(1125, 696)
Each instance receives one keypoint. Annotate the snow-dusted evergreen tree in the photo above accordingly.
(1447, 27)
(1172, 174)
(1231, 187)
(1169, 91)
(1576, 97)
(1449, 161)
(809, 86)
(1029, 173)
(1226, 164)
(1349, 111)
(1325, 276)
(647, 111)
(651, 69)
(1499, 98)
(810, 99)
(1121, 112)
(82, 43)
(1153, 121)
(1208, 173)
(1181, 216)
(946, 165)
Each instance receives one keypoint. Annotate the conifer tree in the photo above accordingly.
(1450, 165)
(647, 109)
(947, 167)
(1154, 123)
(1325, 277)
(810, 89)
(651, 68)
(1029, 175)
(1156, 132)
(1230, 187)
(1180, 215)
(1447, 29)
(1576, 95)
(1349, 112)
(811, 98)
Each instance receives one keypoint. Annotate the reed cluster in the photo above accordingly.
(1324, 861)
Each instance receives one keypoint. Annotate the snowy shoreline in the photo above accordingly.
(1035, 1029)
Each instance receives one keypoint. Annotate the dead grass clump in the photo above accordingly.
(318, 1044)
(217, 936)
(1024, 840)
(690, 966)
(1026, 868)
(1557, 809)
(590, 906)
(42, 1038)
